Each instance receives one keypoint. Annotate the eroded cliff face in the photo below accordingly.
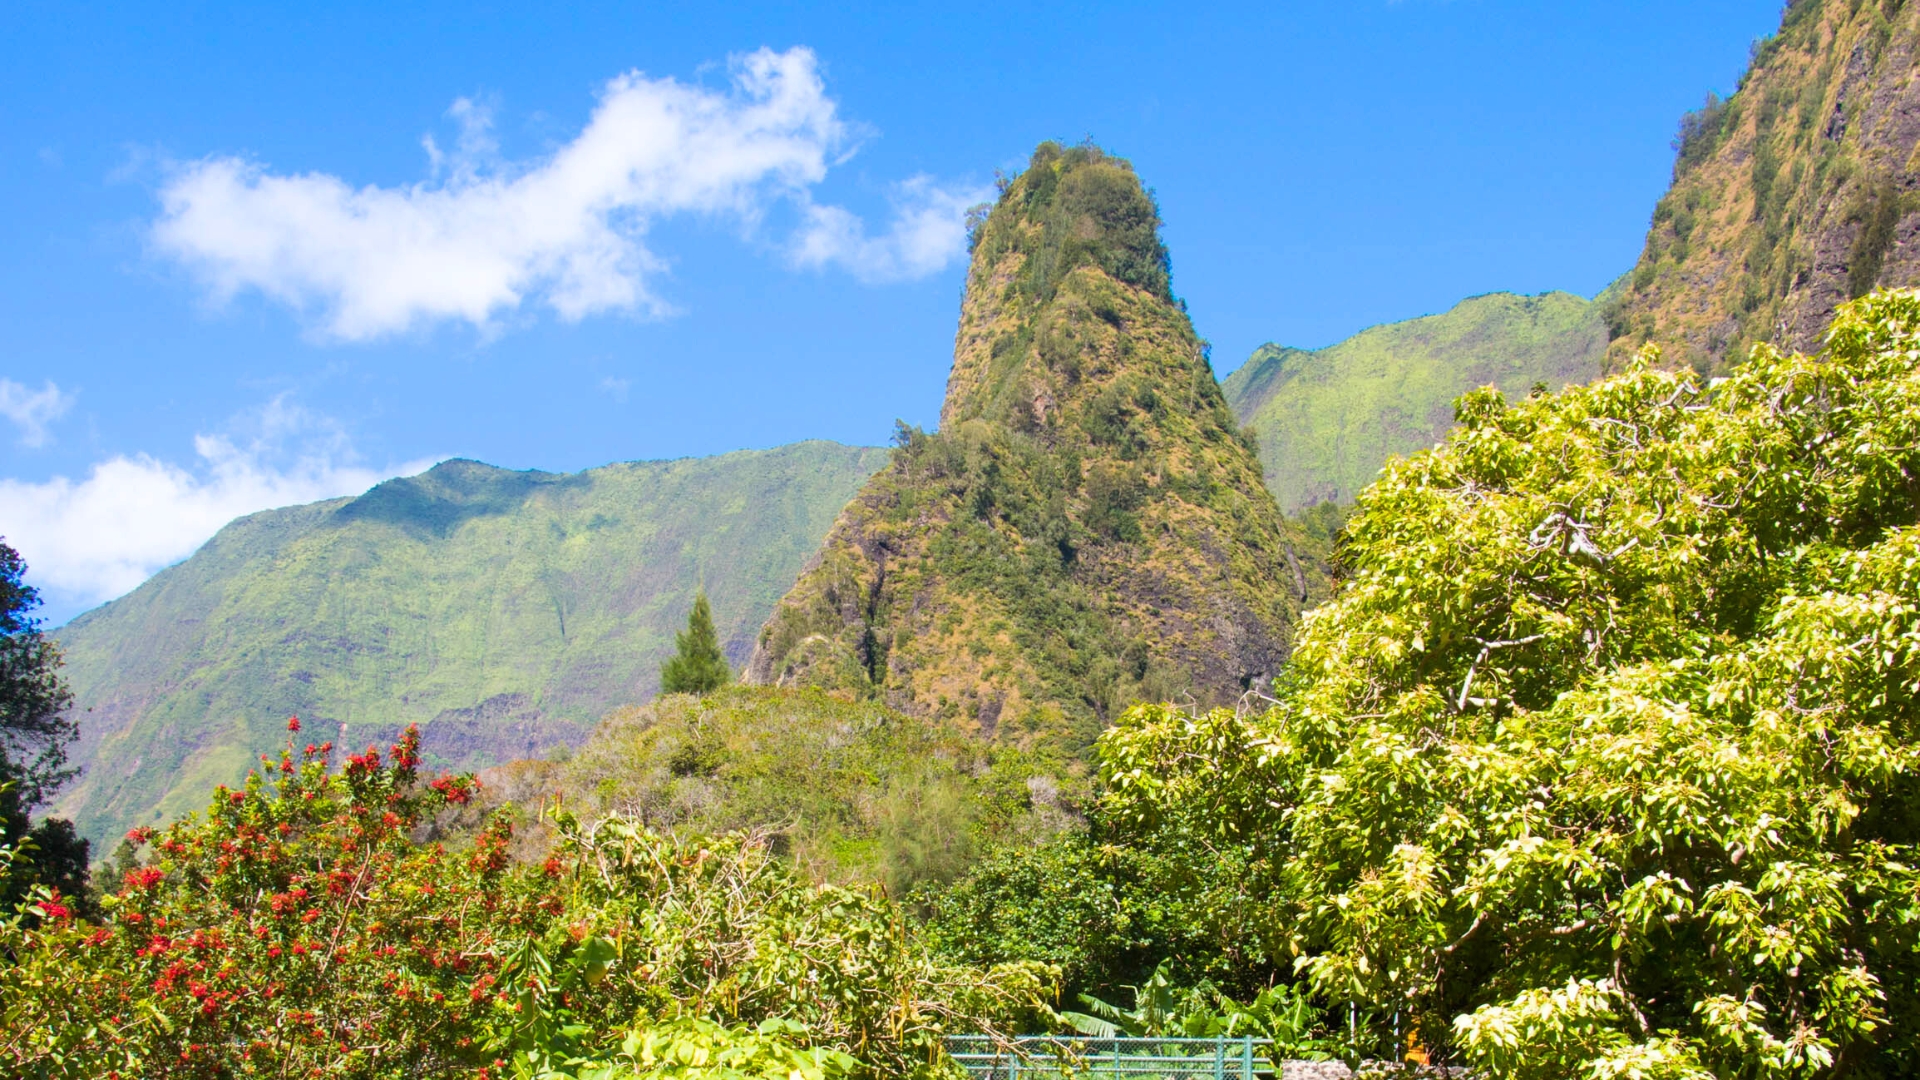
(1795, 194)
(1087, 528)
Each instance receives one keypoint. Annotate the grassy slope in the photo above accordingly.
(503, 611)
(1327, 419)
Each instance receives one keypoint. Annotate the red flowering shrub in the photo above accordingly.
(296, 930)
(291, 929)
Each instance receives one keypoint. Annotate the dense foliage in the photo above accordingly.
(1089, 210)
(1110, 907)
(849, 791)
(297, 929)
(1603, 761)
(35, 727)
(697, 665)
(1281, 1015)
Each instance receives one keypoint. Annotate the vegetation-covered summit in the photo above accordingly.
(1798, 192)
(1088, 527)
(504, 612)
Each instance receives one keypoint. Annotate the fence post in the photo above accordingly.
(1246, 1057)
(1220, 1057)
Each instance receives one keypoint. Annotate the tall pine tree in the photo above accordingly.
(697, 666)
(36, 725)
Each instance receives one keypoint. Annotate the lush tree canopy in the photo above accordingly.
(1603, 760)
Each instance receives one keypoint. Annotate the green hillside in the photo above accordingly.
(504, 612)
(1327, 419)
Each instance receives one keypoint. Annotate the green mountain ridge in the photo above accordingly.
(1327, 419)
(505, 612)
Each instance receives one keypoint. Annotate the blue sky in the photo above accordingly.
(253, 255)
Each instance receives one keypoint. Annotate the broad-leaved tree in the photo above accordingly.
(1603, 761)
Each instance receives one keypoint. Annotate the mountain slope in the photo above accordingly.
(1087, 527)
(1796, 193)
(1328, 419)
(505, 612)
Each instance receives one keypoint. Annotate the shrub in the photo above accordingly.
(850, 791)
(1699, 134)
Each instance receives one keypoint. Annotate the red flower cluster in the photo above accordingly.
(405, 754)
(455, 789)
(145, 877)
(367, 762)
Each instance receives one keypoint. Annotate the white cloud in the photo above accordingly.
(482, 236)
(96, 538)
(929, 227)
(32, 410)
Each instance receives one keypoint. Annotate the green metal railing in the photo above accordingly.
(1038, 1056)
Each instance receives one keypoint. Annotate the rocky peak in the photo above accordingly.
(1087, 527)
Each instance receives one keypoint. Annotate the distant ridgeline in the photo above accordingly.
(1087, 529)
(1327, 419)
(504, 612)
(1794, 194)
